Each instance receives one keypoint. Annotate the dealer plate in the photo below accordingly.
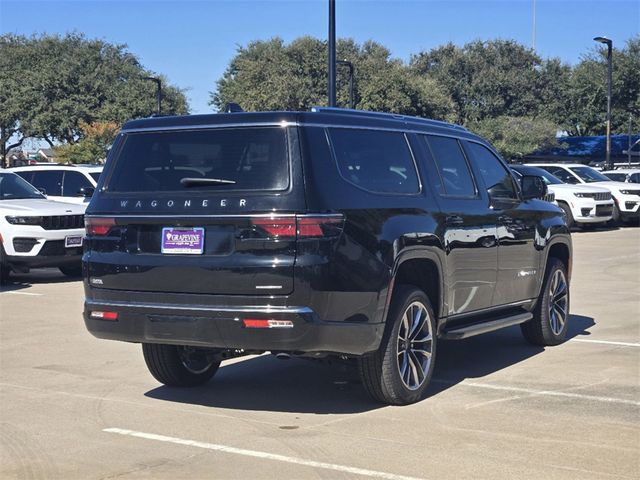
(182, 240)
(73, 241)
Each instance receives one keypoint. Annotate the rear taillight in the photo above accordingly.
(300, 226)
(277, 227)
(98, 226)
(319, 226)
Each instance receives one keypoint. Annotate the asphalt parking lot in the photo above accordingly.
(72, 406)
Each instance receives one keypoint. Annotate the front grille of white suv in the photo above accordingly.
(62, 222)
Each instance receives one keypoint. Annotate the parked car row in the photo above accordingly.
(42, 217)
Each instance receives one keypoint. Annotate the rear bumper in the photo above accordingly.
(222, 327)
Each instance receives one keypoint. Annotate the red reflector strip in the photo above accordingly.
(104, 315)
(259, 323)
(98, 226)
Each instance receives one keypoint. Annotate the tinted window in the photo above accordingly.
(589, 175)
(635, 178)
(374, 160)
(13, 187)
(452, 165)
(95, 176)
(213, 160)
(562, 174)
(73, 182)
(28, 176)
(496, 177)
(617, 177)
(50, 181)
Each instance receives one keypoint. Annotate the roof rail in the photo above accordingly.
(390, 116)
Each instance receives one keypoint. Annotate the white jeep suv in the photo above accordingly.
(36, 232)
(626, 196)
(582, 204)
(63, 183)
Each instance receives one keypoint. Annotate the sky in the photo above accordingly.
(192, 42)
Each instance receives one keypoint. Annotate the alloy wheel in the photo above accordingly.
(415, 345)
(558, 302)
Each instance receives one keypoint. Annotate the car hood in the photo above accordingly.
(570, 188)
(609, 185)
(40, 206)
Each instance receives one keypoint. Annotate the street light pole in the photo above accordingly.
(348, 64)
(609, 44)
(332, 53)
(158, 83)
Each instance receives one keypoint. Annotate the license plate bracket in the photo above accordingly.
(71, 241)
(182, 240)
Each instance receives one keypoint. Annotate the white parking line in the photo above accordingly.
(258, 454)
(605, 342)
(550, 393)
(10, 292)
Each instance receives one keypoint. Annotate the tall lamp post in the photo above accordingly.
(609, 44)
(158, 83)
(332, 54)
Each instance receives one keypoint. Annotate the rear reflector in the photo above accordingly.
(259, 323)
(98, 226)
(104, 315)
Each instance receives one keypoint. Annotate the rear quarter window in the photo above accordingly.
(243, 158)
(376, 161)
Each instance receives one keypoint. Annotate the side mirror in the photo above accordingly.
(86, 192)
(42, 191)
(533, 187)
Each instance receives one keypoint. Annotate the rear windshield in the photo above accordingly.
(209, 160)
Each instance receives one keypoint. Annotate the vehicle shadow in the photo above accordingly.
(483, 355)
(266, 383)
(18, 281)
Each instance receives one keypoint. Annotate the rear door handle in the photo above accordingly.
(454, 220)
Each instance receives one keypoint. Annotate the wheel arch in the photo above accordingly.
(422, 269)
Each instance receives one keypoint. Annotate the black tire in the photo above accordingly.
(180, 366)
(543, 329)
(616, 218)
(74, 271)
(381, 372)
(567, 213)
(5, 269)
(4, 273)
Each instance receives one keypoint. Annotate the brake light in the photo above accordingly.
(320, 226)
(264, 323)
(99, 315)
(278, 227)
(300, 226)
(98, 226)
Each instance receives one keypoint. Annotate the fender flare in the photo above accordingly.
(416, 253)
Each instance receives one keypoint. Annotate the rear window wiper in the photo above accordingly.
(194, 182)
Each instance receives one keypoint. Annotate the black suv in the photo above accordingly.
(332, 232)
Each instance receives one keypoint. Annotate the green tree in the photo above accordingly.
(587, 101)
(514, 137)
(270, 75)
(495, 78)
(50, 85)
